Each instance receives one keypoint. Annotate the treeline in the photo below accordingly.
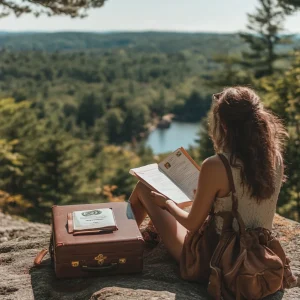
(72, 123)
(281, 94)
(46, 160)
(275, 76)
(206, 43)
(123, 89)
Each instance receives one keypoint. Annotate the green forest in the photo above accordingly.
(75, 108)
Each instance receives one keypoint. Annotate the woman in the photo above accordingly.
(252, 140)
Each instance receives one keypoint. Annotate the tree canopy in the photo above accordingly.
(75, 107)
(289, 5)
(264, 34)
(72, 8)
(278, 87)
(72, 123)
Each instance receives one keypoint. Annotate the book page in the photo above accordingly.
(182, 171)
(154, 177)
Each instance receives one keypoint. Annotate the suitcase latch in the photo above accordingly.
(75, 264)
(122, 260)
(100, 259)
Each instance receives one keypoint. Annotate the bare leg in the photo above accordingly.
(171, 232)
(138, 208)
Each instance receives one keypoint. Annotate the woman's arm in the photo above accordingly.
(212, 181)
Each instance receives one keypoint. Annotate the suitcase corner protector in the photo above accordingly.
(140, 239)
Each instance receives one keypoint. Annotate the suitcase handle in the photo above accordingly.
(39, 257)
(111, 267)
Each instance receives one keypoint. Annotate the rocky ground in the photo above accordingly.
(20, 241)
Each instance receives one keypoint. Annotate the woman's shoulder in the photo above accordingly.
(213, 161)
(213, 164)
(214, 169)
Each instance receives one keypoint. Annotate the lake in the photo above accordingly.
(169, 139)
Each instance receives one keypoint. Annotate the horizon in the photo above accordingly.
(130, 31)
(158, 16)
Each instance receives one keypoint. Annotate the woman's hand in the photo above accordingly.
(159, 199)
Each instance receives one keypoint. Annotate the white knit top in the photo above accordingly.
(253, 214)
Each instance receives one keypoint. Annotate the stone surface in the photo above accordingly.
(20, 241)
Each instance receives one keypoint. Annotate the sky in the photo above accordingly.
(158, 15)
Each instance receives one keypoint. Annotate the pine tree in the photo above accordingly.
(11, 165)
(282, 95)
(206, 148)
(290, 6)
(230, 72)
(263, 36)
(91, 107)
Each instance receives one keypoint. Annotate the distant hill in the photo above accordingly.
(141, 41)
(207, 44)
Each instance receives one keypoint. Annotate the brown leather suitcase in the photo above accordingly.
(117, 252)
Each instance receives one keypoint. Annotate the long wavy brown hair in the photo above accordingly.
(240, 125)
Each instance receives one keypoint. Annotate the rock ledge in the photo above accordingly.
(20, 241)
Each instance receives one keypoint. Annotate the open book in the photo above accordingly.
(176, 177)
(96, 220)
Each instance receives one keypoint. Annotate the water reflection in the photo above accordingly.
(179, 134)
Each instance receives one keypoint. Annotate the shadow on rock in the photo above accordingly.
(158, 281)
